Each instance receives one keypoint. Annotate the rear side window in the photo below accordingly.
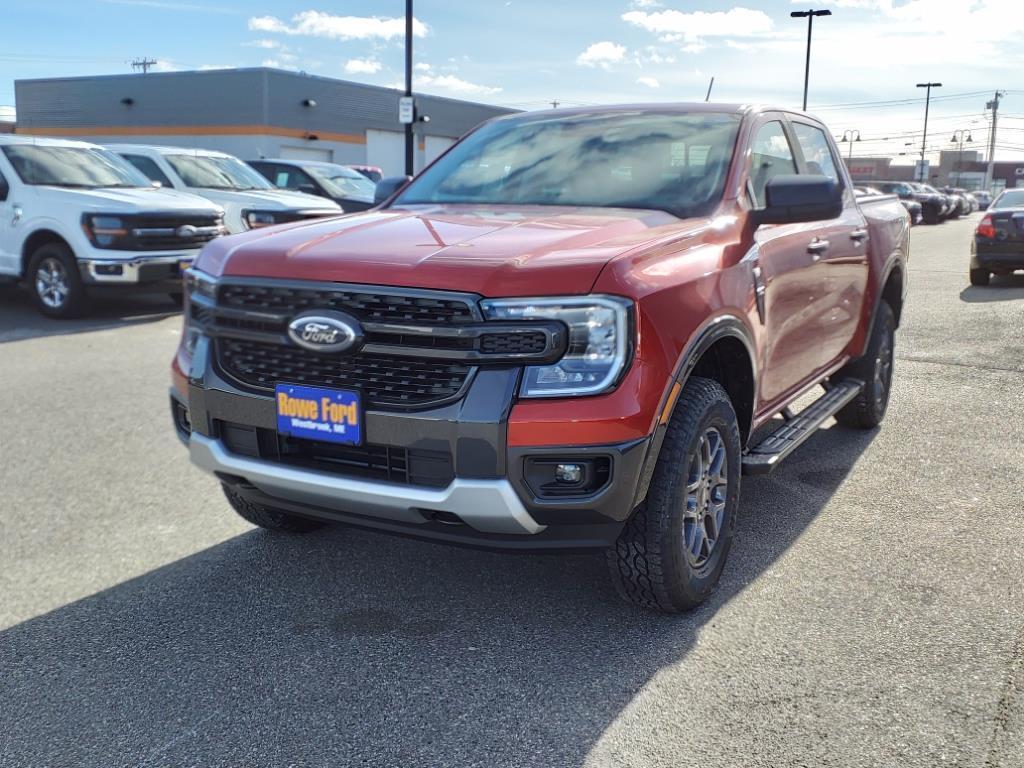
(289, 177)
(771, 156)
(817, 152)
(149, 168)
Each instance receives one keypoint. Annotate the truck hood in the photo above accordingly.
(136, 200)
(267, 199)
(493, 251)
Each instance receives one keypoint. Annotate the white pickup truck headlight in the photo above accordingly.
(258, 219)
(599, 342)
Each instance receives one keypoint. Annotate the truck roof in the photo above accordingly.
(167, 150)
(43, 141)
(662, 107)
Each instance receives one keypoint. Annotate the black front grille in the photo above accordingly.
(368, 307)
(383, 380)
(153, 232)
(387, 463)
(513, 343)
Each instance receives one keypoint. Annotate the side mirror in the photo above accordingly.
(795, 199)
(309, 189)
(388, 187)
(4, 189)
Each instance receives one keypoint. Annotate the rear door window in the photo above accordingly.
(816, 150)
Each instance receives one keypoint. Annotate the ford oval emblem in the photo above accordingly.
(185, 231)
(325, 331)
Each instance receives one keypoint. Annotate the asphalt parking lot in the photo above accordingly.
(870, 614)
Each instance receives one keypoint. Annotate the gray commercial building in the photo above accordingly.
(250, 113)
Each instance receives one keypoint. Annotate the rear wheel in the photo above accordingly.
(268, 517)
(874, 369)
(54, 281)
(980, 276)
(672, 551)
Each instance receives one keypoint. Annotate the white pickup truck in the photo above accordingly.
(75, 218)
(248, 199)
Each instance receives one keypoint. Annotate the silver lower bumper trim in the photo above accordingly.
(129, 272)
(488, 506)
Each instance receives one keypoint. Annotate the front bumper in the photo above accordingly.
(488, 502)
(136, 269)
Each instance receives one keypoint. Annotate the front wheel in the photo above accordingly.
(874, 369)
(54, 281)
(672, 551)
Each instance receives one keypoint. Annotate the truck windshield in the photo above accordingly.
(77, 167)
(214, 172)
(343, 182)
(669, 161)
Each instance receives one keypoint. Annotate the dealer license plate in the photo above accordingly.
(314, 413)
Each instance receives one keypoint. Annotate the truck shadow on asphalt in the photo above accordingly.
(20, 320)
(1002, 288)
(347, 647)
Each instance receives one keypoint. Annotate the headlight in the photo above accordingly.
(106, 231)
(200, 284)
(257, 219)
(599, 342)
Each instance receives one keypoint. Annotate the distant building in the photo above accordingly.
(955, 169)
(251, 113)
(879, 169)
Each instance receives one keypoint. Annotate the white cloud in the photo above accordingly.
(166, 65)
(264, 43)
(208, 67)
(650, 82)
(693, 27)
(602, 54)
(320, 24)
(362, 66)
(421, 66)
(454, 84)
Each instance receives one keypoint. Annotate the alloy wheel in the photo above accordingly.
(52, 283)
(707, 489)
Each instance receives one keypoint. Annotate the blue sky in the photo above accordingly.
(527, 53)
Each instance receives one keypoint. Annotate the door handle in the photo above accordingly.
(817, 247)
(859, 235)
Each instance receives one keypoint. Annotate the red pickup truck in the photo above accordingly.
(565, 333)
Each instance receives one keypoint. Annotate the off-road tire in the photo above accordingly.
(980, 277)
(649, 563)
(867, 410)
(58, 256)
(268, 517)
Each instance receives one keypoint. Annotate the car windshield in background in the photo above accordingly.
(1010, 199)
(673, 162)
(80, 167)
(343, 182)
(211, 172)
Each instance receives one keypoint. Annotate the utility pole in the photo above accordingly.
(409, 138)
(555, 103)
(144, 64)
(710, 86)
(810, 14)
(924, 139)
(990, 169)
(958, 138)
(850, 136)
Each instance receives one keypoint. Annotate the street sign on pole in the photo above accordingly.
(405, 110)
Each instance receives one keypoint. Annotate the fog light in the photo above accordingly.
(109, 269)
(569, 474)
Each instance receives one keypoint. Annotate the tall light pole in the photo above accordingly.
(924, 139)
(810, 14)
(958, 138)
(409, 139)
(850, 136)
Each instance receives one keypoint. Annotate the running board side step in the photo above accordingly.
(769, 453)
